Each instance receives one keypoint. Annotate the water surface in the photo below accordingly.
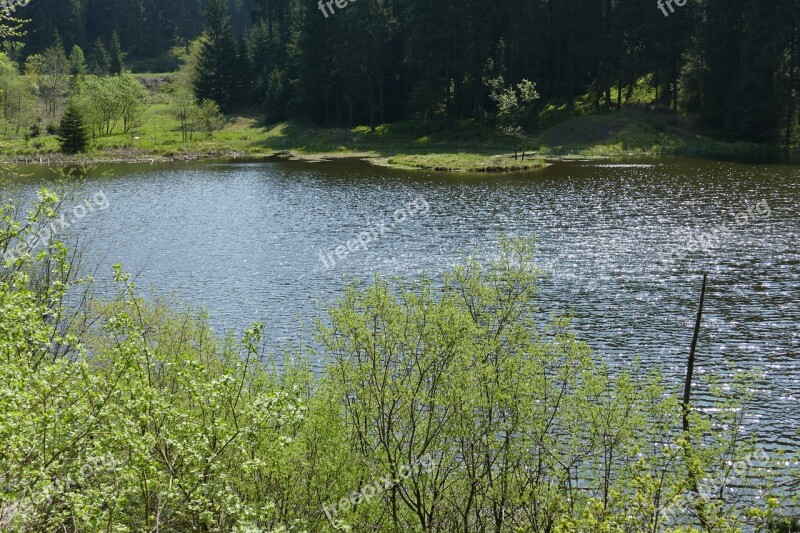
(618, 242)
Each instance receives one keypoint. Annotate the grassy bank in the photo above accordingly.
(460, 146)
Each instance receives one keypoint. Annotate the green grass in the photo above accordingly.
(636, 133)
(460, 146)
(468, 162)
(467, 148)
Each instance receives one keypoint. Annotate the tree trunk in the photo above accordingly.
(371, 111)
(792, 68)
(687, 392)
(381, 99)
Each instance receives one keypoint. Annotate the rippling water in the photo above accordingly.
(244, 241)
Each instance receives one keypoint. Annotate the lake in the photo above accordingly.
(622, 245)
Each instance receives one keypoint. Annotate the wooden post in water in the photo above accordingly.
(687, 388)
(687, 393)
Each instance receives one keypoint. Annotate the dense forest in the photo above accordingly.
(731, 64)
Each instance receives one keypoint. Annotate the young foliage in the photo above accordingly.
(513, 108)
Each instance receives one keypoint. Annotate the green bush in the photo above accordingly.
(34, 131)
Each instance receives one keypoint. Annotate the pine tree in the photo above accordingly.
(117, 55)
(72, 135)
(215, 78)
(77, 62)
(99, 60)
(316, 87)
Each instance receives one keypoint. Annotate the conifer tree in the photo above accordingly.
(215, 78)
(77, 62)
(72, 135)
(99, 60)
(117, 60)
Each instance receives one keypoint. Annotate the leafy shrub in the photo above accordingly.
(34, 131)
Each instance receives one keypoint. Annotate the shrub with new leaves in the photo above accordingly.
(513, 105)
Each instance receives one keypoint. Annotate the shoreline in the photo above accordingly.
(596, 137)
(533, 162)
(530, 164)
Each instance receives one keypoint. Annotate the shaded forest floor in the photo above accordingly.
(470, 146)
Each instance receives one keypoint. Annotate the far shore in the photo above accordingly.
(463, 148)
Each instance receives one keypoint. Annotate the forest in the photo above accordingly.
(731, 65)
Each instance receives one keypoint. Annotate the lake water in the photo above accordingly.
(618, 242)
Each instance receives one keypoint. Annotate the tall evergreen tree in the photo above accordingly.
(215, 78)
(117, 59)
(99, 59)
(72, 134)
(316, 89)
(77, 62)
